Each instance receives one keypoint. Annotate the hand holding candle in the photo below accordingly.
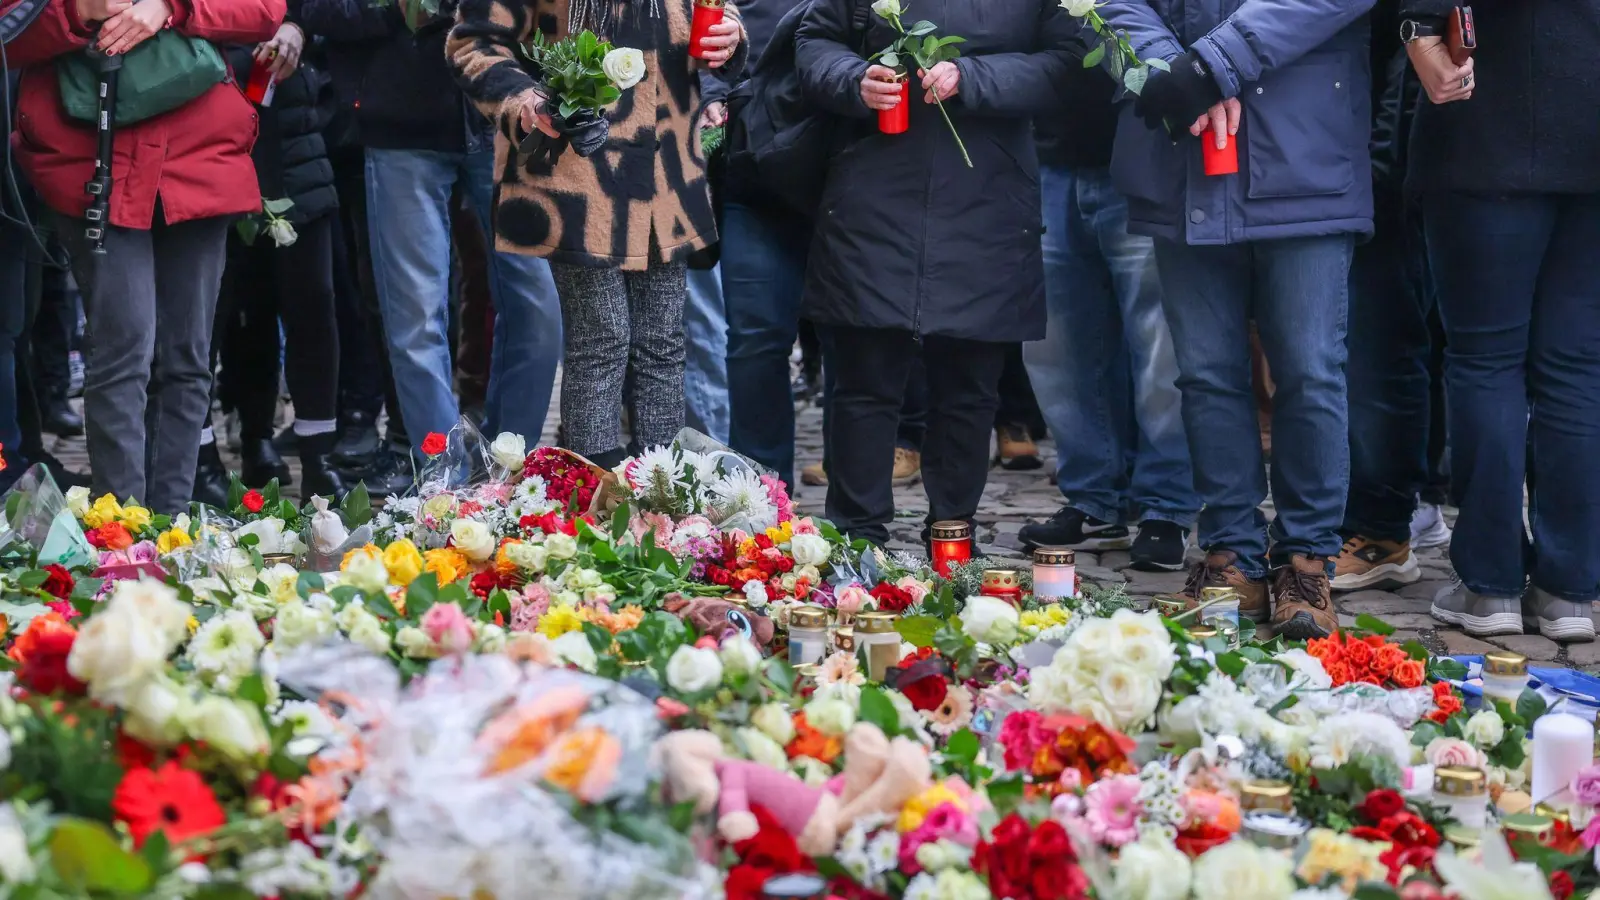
(1217, 131)
(712, 37)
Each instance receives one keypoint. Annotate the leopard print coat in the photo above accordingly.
(645, 192)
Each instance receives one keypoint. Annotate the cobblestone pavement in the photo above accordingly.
(1012, 499)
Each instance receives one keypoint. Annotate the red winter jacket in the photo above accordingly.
(196, 158)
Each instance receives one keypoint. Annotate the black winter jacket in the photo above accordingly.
(290, 155)
(907, 236)
(1533, 123)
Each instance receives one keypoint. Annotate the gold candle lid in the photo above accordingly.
(1504, 662)
(808, 670)
(1265, 794)
(844, 638)
(808, 617)
(1458, 781)
(1170, 606)
(953, 530)
(1553, 814)
(875, 622)
(1462, 837)
(1002, 579)
(710, 4)
(1530, 825)
(1054, 556)
(1218, 595)
(1203, 632)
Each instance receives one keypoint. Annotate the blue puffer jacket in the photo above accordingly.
(1301, 70)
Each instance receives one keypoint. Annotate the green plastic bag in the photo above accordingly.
(161, 74)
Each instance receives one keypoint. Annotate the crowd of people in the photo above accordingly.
(1385, 307)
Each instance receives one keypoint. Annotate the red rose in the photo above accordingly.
(785, 564)
(434, 443)
(763, 542)
(253, 501)
(1561, 886)
(1409, 830)
(891, 598)
(1381, 804)
(926, 693)
(1370, 833)
(60, 583)
(1397, 859)
(485, 582)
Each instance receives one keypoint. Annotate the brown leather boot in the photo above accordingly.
(1303, 598)
(1220, 569)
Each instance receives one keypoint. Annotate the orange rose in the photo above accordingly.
(116, 536)
(584, 763)
(1359, 654)
(1409, 674)
(1373, 640)
(1324, 648)
(1338, 670)
(810, 742)
(447, 563)
(1386, 658)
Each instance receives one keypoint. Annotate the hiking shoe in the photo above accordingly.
(907, 466)
(1220, 569)
(1367, 563)
(1015, 449)
(1428, 527)
(1475, 613)
(1076, 529)
(1302, 599)
(1160, 546)
(1558, 619)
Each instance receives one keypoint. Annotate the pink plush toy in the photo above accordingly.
(879, 777)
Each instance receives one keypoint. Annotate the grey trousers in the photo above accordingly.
(620, 325)
(149, 302)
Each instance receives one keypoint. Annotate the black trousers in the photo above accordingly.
(263, 283)
(53, 334)
(871, 370)
(365, 381)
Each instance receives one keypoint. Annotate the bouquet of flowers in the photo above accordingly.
(581, 75)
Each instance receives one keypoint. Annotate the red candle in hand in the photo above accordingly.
(263, 84)
(706, 14)
(897, 120)
(1219, 162)
(951, 542)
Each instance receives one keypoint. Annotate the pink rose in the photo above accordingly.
(915, 588)
(806, 526)
(1586, 786)
(1447, 751)
(852, 598)
(448, 627)
(143, 552)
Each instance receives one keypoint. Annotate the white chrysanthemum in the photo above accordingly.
(741, 500)
(224, 649)
(883, 852)
(311, 729)
(1339, 738)
(528, 499)
(651, 467)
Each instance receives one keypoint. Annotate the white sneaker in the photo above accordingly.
(1428, 528)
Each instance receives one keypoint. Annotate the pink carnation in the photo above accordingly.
(1022, 734)
(806, 526)
(448, 627)
(945, 822)
(527, 607)
(1586, 786)
(779, 496)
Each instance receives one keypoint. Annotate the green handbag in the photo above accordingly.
(163, 73)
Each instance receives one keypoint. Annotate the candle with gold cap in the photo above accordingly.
(951, 543)
(706, 14)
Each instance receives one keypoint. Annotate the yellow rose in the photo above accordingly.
(558, 621)
(368, 550)
(918, 807)
(172, 539)
(1346, 858)
(104, 510)
(403, 560)
(448, 563)
(135, 518)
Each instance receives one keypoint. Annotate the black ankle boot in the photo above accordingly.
(317, 473)
(210, 478)
(260, 463)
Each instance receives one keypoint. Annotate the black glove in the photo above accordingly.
(1175, 99)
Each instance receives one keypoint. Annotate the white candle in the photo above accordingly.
(1563, 746)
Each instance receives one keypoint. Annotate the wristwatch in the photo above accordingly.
(1411, 29)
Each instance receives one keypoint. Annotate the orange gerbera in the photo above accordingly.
(584, 763)
(810, 742)
(171, 799)
(42, 649)
(448, 563)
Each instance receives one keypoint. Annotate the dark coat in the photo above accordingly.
(290, 154)
(907, 236)
(1533, 123)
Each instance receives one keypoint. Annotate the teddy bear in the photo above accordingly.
(879, 776)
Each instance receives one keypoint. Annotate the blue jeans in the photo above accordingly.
(1104, 372)
(705, 372)
(763, 271)
(1521, 306)
(408, 219)
(1390, 346)
(1297, 290)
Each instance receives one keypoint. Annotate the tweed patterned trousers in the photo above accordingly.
(621, 327)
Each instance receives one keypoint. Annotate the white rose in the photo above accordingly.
(269, 534)
(1152, 870)
(509, 450)
(78, 501)
(1485, 729)
(1078, 8)
(1308, 670)
(574, 648)
(624, 66)
(755, 593)
(369, 634)
(604, 595)
(809, 549)
(739, 656)
(528, 556)
(830, 715)
(281, 232)
(491, 638)
(157, 709)
(366, 574)
(233, 727)
(692, 670)
(128, 639)
(415, 643)
(762, 749)
(300, 623)
(282, 581)
(1129, 695)
(1239, 870)
(472, 538)
(990, 620)
(887, 8)
(561, 546)
(774, 721)
(16, 863)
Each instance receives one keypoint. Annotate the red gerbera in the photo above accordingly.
(42, 649)
(434, 443)
(60, 582)
(170, 799)
(253, 501)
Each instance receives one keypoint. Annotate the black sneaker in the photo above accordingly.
(1076, 529)
(358, 443)
(1160, 547)
(390, 476)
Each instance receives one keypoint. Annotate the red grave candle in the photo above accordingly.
(1219, 162)
(263, 84)
(897, 120)
(706, 14)
(951, 544)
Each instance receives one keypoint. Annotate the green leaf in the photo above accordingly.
(878, 709)
(1446, 669)
(1507, 714)
(309, 583)
(1509, 752)
(963, 747)
(635, 647)
(921, 28)
(236, 491)
(253, 690)
(33, 578)
(599, 637)
(1094, 57)
(357, 506)
(919, 630)
(277, 207)
(1286, 703)
(1231, 664)
(421, 594)
(89, 857)
(1425, 733)
(1416, 650)
(249, 229)
(1374, 890)
(1134, 79)
(1161, 64)
(1530, 705)
(890, 59)
(156, 851)
(1373, 624)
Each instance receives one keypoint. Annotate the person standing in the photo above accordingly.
(1291, 86)
(1105, 371)
(180, 178)
(617, 240)
(909, 240)
(1506, 159)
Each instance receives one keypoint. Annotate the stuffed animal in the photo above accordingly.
(709, 615)
(879, 777)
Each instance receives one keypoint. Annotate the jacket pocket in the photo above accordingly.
(1145, 164)
(1301, 135)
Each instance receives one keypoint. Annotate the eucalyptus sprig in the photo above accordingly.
(919, 44)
